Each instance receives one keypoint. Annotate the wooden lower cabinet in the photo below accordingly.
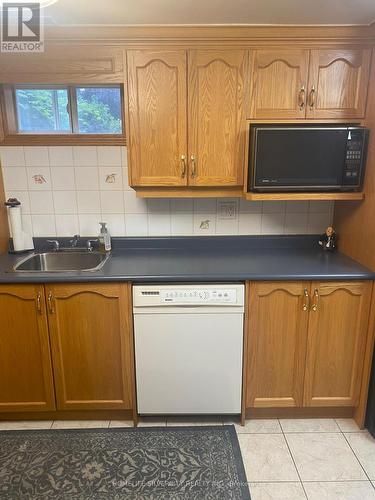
(337, 335)
(91, 340)
(26, 381)
(277, 334)
(306, 343)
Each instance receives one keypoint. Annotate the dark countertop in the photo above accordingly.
(218, 258)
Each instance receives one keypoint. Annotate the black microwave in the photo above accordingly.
(307, 157)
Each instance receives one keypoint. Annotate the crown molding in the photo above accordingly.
(227, 34)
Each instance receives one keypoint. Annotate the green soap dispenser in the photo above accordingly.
(104, 238)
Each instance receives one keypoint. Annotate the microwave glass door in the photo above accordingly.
(298, 158)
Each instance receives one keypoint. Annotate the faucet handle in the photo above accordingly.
(55, 245)
(74, 240)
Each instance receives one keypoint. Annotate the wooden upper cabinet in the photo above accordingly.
(336, 341)
(216, 118)
(91, 339)
(279, 83)
(26, 381)
(156, 117)
(338, 83)
(276, 348)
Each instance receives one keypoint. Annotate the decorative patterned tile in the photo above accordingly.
(110, 178)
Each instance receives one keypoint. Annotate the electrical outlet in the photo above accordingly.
(227, 209)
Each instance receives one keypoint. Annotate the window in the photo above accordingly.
(59, 109)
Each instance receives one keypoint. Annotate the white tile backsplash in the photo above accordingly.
(60, 156)
(12, 156)
(86, 178)
(36, 156)
(41, 202)
(66, 190)
(109, 156)
(63, 179)
(88, 202)
(85, 156)
(15, 178)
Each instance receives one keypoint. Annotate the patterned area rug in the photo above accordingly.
(154, 463)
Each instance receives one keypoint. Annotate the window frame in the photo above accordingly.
(12, 136)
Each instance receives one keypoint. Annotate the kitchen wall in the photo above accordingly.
(67, 190)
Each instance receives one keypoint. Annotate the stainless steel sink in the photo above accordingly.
(61, 262)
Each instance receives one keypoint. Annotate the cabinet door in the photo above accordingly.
(26, 382)
(157, 137)
(279, 83)
(216, 117)
(336, 342)
(91, 342)
(276, 348)
(338, 82)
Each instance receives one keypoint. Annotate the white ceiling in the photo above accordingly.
(137, 12)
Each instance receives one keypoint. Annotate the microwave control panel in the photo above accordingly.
(354, 158)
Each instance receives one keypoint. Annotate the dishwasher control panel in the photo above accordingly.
(198, 296)
(227, 295)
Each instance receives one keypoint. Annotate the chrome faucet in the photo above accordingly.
(89, 244)
(74, 242)
(55, 245)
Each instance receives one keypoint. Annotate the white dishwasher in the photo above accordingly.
(188, 348)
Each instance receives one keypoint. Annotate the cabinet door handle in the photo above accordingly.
(193, 166)
(39, 303)
(312, 97)
(183, 160)
(301, 97)
(306, 302)
(316, 300)
(50, 304)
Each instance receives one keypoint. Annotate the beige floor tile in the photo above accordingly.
(277, 491)
(152, 422)
(346, 490)
(309, 425)
(121, 423)
(255, 426)
(266, 458)
(80, 424)
(193, 421)
(348, 425)
(324, 457)
(23, 425)
(363, 445)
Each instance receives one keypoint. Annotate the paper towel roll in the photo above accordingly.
(21, 240)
